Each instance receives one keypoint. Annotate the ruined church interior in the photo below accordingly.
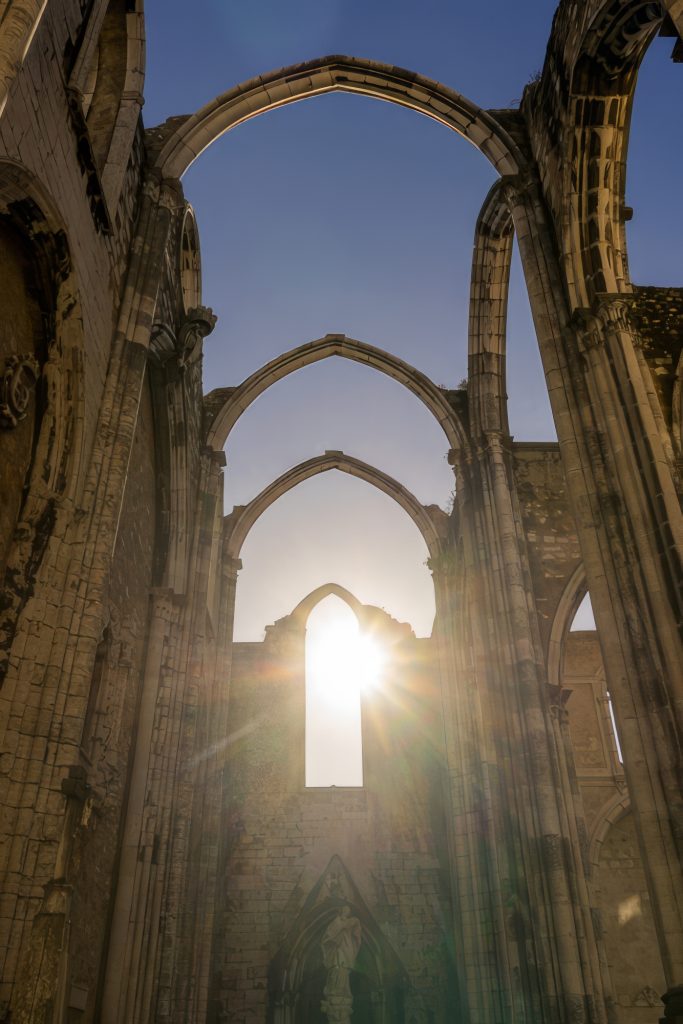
(330, 812)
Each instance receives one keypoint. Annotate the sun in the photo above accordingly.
(342, 662)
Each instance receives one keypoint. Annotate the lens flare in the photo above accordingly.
(342, 663)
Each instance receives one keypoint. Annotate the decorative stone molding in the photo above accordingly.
(198, 324)
(18, 382)
(609, 314)
(184, 346)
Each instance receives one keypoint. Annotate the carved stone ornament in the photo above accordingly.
(18, 381)
(198, 323)
(647, 997)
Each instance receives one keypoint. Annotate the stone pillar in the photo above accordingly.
(623, 497)
(135, 920)
(544, 955)
(59, 668)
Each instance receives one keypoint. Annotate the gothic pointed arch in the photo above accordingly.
(243, 517)
(106, 81)
(493, 237)
(299, 973)
(572, 596)
(226, 405)
(181, 140)
(585, 165)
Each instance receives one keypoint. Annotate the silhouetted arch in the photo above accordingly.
(567, 607)
(236, 400)
(243, 517)
(491, 260)
(602, 84)
(307, 604)
(369, 616)
(181, 141)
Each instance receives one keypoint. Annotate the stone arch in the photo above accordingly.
(628, 926)
(616, 808)
(233, 402)
(108, 78)
(244, 517)
(493, 238)
(603, 81)
(52, 481)
(572, 596)
(369, 616)
(300, 954)
(180, 141)
(300, 614)
(190, 262)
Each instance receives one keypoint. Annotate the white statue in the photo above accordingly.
(340, 945)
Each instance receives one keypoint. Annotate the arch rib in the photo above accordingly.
(193, 134)
(493, 239)
(241, 398)
(245, 516)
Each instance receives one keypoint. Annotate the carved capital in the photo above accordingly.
(558, 696)
(609, 314)
(18, 381)
(184, 346)
(614, 312)
(196, 326)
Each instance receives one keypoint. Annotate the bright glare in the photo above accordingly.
(341, 663)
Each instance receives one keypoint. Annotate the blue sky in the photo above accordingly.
(342, 214)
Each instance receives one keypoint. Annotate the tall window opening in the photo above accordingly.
(653, 172)
(341, 663)
(584, 618)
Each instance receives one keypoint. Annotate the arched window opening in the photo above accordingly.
(653, 169)
(529, 411)
(333, 527)
(591, 711)
(583, 618)
(341, 664)
(105, 80)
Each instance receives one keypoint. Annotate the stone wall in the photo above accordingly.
(282, 842)
(620, 888)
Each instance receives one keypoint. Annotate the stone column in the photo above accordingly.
(135, 919)
(544, 954)
(59, 668)
(629, 522)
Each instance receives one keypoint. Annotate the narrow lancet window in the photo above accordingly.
(340, 664)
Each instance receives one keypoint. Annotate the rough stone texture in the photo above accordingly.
(279, 837)
(159, 861)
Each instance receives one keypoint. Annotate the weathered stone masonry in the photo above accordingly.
(501, 861)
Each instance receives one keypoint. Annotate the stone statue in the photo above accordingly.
(340, 945)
